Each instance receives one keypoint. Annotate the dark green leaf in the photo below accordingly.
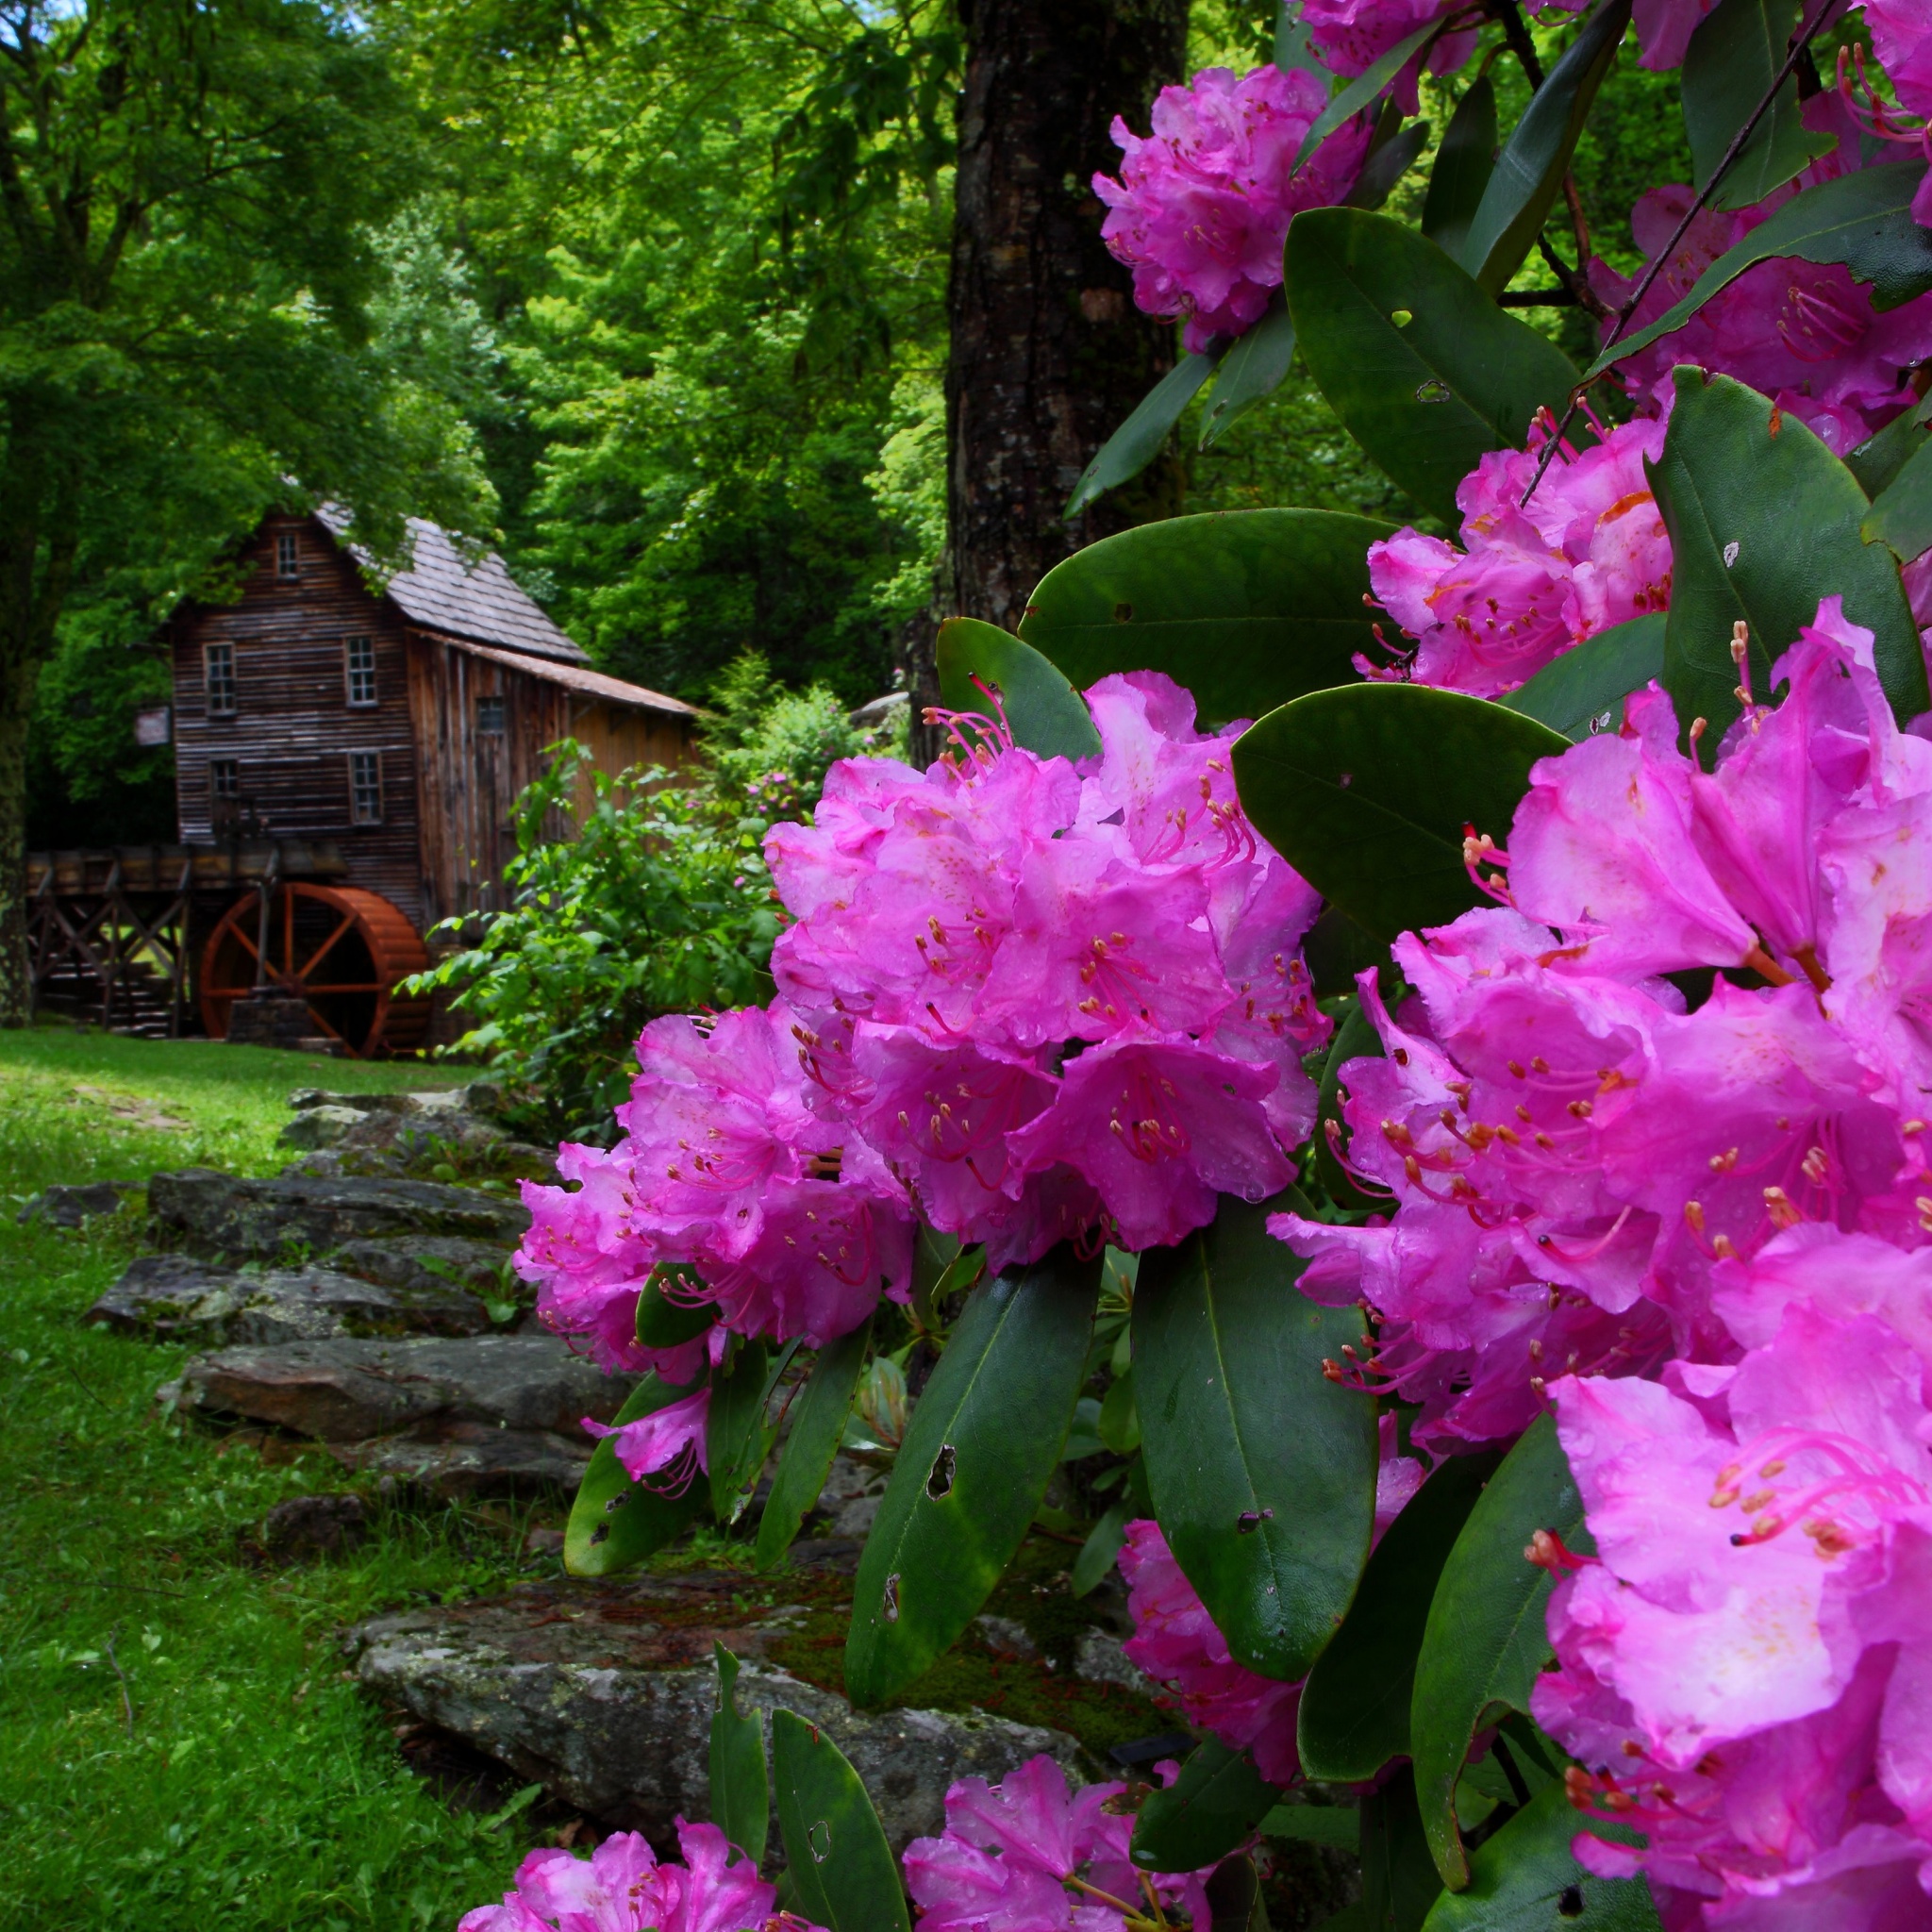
(1900, 514)
(1529, 171)
(740, 1790)
(1252, 371)
(1233, 1893)
(1263, 1470)
(1590, 684)
(1048, 716)
(1337, 949)
(1211, 1807)
(1247, 608)
(1365, 791)
(666, 1324)
(984, 1439)
(1101, 1550)
(736, 1439)
(1387, 166)
(1354, 1038)
(1399, 1882)
(1316, 1824)
(1083, 1433)
(1293, 47)
(1364, 89)
(1429, 396)
(1463, 165)
(835, 1847)
(1734, 54)
(1138, 440)
(1484, 1643)
(1120, 1421)
(1526, 1880)
(1863, 220)
(817, 1422)
(614, 1522)
(1880, 459)
(1354, 1715)
(1764, 522)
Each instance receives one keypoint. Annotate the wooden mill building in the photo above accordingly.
(347, 762)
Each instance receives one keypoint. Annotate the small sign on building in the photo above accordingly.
(155, 726)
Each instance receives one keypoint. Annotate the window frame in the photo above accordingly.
(501, 713)
(287, 557)
(357, 816)
(213, 685)
(351, 670)
(217, 770)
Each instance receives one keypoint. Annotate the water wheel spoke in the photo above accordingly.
(316, 958)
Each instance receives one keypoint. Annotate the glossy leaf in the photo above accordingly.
(818, 1420)
(1213, 1805)
(740, 1787)
(1900, 514)
(1263, 1470)
(1100, 1551)
(615, 1523)
(1365, 791)
(1337, 950)
(1119, 1421)
(1526, 1880)
(1364, 89)
(1735, 53)
(1315, 1824)
(1764, 522)
(1387, 166)
(1046, 714)
(1233, 1893)
(1138, 440)
(1485, 1640)
(1399, 1882)
(1247, 608)
(1353, 1714)
(1863, 220)
(835, 1847)
(1529, 171)
(984, 1439)
(1587, 687)
(1354, 1038)
(1426, 397)
(1463, 165)
(1251, 371)
(736, 1437)
(666, 1324)
(1880, 459)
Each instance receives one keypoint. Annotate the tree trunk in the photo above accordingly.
(1048, 353)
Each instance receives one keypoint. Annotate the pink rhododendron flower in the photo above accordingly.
(1570, 1151)
(1750, 1660)
(1352, 35)
(1530, 582)
(1027, 1856)
(667, 1444)
(622, 1887)
(1202, 206)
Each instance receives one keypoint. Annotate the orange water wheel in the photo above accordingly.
(339, 948)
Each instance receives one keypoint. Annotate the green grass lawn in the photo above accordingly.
(177, 1746)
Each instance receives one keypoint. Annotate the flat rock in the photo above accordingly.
(227, 1218)
(178, 1298)
(349, 1390)
(603, 1693)
(73, 1206)
(315, 1527)
(421, 1262)
(461, 1460)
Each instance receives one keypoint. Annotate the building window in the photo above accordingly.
(224, 779)
(489, 715)
(365, 788)
(218, 674)
(358, 655)
(288, 555)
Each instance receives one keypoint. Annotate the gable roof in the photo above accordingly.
(442, 593)
(594, 684)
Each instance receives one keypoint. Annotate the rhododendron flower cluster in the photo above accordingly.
(1021, 999)
(1025, 1855)
(1202, 206)
(622, 1887)
(1588, 550)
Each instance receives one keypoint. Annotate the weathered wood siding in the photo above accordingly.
(293, 727)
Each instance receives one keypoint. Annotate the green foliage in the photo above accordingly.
(1213, 1807)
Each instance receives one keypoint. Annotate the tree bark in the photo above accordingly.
(1048, 353)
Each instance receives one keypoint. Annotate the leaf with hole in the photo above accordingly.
(615, 1523)
(1463, 165)
(1263, 1470)
(1585, 688)
(835, 1847)
(1251, 371)
(1246, 608)
(1735, 53)
(1047, 715)
(1366, 790)
(1529, 172)
(740, 1788)
(1764, 522)
(818, 1420)
(984, 1439)
(1426, 397)
(1484, 1643)
(1138, 440)
(1211, 1807)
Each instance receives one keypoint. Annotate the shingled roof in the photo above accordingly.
(481, 602)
